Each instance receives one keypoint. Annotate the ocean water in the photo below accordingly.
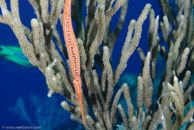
(23, 89)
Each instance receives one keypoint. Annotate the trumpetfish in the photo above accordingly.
(73, 53)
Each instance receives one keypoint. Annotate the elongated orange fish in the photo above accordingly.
(73, 53)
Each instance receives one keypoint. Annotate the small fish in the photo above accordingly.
(15, 55)
(73, 53)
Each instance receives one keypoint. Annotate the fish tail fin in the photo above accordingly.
(82, 109)
(79, 95)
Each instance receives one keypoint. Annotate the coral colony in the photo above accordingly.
(172, 109)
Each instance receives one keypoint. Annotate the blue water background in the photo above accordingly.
(18, 81)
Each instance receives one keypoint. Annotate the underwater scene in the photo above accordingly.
(97, 64)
